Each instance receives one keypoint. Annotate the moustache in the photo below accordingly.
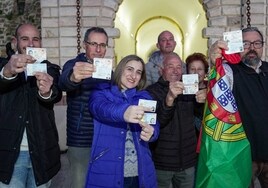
(252, 52)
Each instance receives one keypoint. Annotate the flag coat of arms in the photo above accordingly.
(225, 156)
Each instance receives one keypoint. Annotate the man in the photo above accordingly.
(77, 81)
(249, 82)
(29, 150)
(174, 153)
(166, 45)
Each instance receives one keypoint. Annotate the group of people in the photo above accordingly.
(108, 143)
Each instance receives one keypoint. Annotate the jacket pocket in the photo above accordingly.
(102, 153)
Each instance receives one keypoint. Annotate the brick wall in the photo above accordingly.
(59, 30)
(225, 15)
(10, 18)
(59, 25)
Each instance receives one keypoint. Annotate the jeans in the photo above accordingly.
(79, 160)
(23, 176)
(260, 171)
(131, 182)
(177, 179)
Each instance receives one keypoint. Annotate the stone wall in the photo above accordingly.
(225, 15)
(10, 18)
(59, 25)
(59, 21)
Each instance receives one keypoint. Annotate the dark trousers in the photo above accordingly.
(131, 182)
(260, 171)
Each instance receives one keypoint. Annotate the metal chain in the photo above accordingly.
(78, 18)
(248, 13)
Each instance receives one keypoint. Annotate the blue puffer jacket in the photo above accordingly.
(106, 167)
(79, 120)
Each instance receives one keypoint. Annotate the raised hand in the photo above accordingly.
(17, 64)
(44, 83)
(82, 70)
(134, 113)
(147, 131)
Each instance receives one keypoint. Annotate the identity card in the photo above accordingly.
(103, 68)
(190, 82)
(40, 54)
(33, 68)
(148, 103)
(149, 118)
(234, 40)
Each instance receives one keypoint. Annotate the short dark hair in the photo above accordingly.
(250, 29)
(120, 68)
(197, 57)
(95, 30)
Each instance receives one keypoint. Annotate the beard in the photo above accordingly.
(249, 60)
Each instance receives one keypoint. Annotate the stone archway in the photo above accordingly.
(59, 22)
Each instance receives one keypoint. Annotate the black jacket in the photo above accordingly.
(250, 90)
(21, 107)
(175, 148)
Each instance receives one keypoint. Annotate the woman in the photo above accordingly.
(197, 63)
(120, 155)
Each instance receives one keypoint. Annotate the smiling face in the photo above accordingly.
(197, 67)
(172, 68)
(131, 74)
(27, 36)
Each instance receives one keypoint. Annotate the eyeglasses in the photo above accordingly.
(96, 45)
(256, 44)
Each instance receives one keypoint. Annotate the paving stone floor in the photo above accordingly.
(62, 179)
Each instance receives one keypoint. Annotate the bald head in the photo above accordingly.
(26, 35)
(166, 42)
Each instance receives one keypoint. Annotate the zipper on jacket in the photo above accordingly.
(100, 155)
(80, 115)
(138, 140)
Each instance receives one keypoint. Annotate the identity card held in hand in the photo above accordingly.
(149, 118)
(103, 68)
(190, 82)
(33, 68)
(39, 54)
(234, 40)
(148, 103)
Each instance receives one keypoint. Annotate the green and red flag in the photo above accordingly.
(225, 156)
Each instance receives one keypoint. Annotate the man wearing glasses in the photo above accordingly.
(249, 81)
(77, 81)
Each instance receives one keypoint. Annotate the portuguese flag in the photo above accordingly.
(225, 156)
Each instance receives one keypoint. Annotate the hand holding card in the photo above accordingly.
(234, 41)
(103, 68)
(40, 55)
(190, 82)
(149, 118)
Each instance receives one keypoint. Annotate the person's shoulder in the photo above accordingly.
(51, 65)
(3, 60)
(265, 63)
(79, 57)
(155, 54)
(144, 94)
